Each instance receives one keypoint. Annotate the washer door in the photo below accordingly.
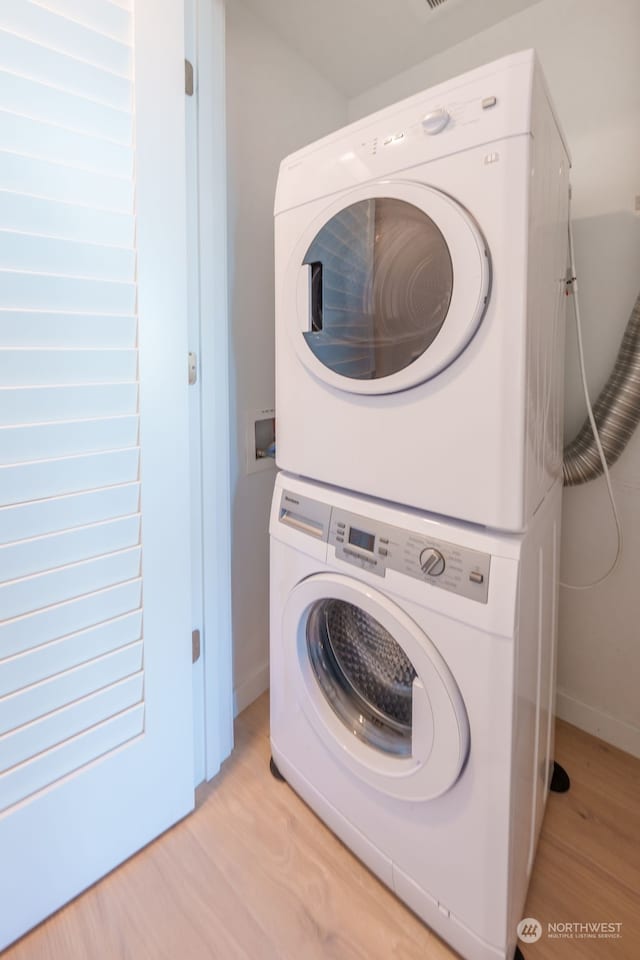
(375, 688)
(386, 287)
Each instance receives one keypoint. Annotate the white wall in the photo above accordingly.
(276, 102)
(589, 52)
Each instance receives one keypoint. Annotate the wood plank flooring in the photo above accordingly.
(254, 875)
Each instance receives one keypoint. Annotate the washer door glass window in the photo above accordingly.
(364, 674)
(374, 687)
(381, 285)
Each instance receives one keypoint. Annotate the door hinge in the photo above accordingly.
(195, 646)
(188, 78)
(193, 369)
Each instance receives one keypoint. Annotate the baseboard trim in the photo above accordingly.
(619, 734)
(250, 689)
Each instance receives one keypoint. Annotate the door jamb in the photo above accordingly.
(212, 348)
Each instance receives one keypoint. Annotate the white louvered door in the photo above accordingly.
(96, 753)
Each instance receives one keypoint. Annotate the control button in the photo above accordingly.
(340, 539)
(341, 526)
(432, 562)
(382, 540)
(358, 556)
(488, 102)
(476, 577)
(435, 121)
(383, 551)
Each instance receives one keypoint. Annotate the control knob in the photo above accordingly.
(435, 120)
(432, 562)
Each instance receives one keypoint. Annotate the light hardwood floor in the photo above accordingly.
(253, 874)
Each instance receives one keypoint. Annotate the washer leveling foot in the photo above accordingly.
(274, 770)
(560, 781)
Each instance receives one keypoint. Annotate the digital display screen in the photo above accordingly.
(361, 539)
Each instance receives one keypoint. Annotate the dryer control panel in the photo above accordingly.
(377, 547)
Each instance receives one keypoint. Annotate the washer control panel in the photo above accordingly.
(378, 547)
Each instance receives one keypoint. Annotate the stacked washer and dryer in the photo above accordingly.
(421, 259)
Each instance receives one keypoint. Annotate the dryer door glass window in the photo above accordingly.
(381, 280)
(364, 674)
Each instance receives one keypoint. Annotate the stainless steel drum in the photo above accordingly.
(364, 674)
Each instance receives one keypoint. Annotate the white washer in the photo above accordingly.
(421, 261)
(412, 710)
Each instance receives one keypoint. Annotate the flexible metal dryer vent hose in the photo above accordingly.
(616, 412)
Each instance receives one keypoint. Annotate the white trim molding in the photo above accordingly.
(214, 352)
(617, 732)
(250, 689)
(206, 33)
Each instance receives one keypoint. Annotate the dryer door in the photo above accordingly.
(375, 688)
(386, 287)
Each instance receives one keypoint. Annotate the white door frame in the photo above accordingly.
(208, 339)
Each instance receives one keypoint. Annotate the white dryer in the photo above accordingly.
(412, 684)
(420, 277)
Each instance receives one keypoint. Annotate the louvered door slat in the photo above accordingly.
(21, 135)
(72, 580)
(35, 367)
(36, 215)
(54, 659)
(47, 27)
(31, 291)
(44, 329)
(101, 15)
(22, 251)
(35, 481)
(22, 781)
(66, 438)
(52, 107)
(38, 627)
(40, 699)
(40, 735)
(53, 181)
(26, 557)
(56, 69)
(40, 404)
(26, 520)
